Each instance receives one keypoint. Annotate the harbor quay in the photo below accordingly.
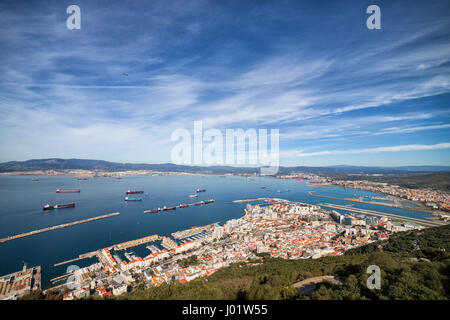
(17, 284)
(276, 227)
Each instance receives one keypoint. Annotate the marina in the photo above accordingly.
(191, 232)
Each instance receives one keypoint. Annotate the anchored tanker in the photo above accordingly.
(58, 206)
(66, 191)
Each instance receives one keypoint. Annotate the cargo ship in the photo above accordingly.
(183, 205)
(132, 199)
(58, 206)
(134, 191)
(201, 190)
(193, 195)
(209, 201)
(153, 210)
(169, 208)
(66, 191)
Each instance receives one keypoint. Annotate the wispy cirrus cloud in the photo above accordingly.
(410, 147)
(411, 129)
(324, 84)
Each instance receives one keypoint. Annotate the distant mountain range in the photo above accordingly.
(101, 165)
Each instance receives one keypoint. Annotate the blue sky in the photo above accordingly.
(338, 92)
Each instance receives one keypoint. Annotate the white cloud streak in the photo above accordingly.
(410, 147)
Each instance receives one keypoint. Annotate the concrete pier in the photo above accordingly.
(65, 225)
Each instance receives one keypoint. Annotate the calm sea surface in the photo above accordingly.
(21, 202)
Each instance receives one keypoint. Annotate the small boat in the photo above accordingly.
(209, 201)
(34, 179)
(134, 191)
(193, 195)
(199, 203)
(168, 208)
(201, 190)
(153, 210)
(263, 187)
(59, 206)
(132, 199)
(183, 205)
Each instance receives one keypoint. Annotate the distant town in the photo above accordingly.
(434, 201)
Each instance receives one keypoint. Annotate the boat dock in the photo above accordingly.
(65, 225)
(80, 257)
(64, 276)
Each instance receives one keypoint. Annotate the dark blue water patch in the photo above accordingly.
(21, 204)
